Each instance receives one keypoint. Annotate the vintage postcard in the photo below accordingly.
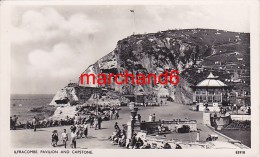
(104, 78)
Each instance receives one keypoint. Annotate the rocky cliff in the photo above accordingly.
(65, 96)
(193, 52)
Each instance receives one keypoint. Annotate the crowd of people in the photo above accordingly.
(119, 138)
(77, 131)
(107, 111)
(140, 143)
(36, 123)
(88, 113)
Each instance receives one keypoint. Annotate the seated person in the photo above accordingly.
(146, 145)
(178, 146)
(139, 143)
(167, 146)
(122, 140)
(209, 138)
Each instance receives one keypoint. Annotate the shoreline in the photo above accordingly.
(26, 106)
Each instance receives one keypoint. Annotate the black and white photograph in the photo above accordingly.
(131, 76)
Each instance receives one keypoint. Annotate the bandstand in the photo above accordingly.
(209, 93)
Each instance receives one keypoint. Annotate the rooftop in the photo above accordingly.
(211, 81)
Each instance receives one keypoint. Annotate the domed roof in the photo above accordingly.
(211, 81)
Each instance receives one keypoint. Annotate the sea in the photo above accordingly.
(21, 104)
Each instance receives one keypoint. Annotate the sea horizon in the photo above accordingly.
(21, 104)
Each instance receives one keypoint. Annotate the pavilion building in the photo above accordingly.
(209, 93)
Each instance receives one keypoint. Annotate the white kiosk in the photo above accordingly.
(209, 93)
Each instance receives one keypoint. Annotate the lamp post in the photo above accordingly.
(97, 102)
(133, 119)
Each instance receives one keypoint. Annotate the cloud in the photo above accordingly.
(52, 45)
(59, 62)
(46, 24)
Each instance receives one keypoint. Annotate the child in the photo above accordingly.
(55, 138)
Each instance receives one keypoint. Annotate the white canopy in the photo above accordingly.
(211, 81)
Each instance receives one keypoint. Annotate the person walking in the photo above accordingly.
(15, 118)
(73, 139)
(73, 128)
(92, 121)
(76, 119)
(111, 114)
(65, 138)
(139, 117)
(11, 123)
(85, 127)
(116, 114)
(150, 118)
(153, 117)
(116, 127)
(99, 122)
(159, 129)
(34, 122)
(96, 123)
(54, 138)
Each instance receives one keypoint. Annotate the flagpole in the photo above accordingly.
(134, 22)
(133, 11)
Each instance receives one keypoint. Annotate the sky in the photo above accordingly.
(52, 45)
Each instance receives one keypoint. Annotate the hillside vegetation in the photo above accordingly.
(193, 52)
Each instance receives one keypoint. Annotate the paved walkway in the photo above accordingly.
(99, 138)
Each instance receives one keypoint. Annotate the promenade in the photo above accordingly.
(98, 139)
